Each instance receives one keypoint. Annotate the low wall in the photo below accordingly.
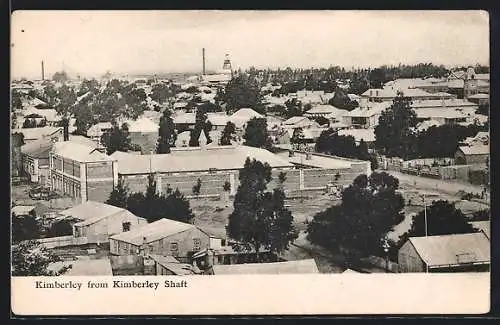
(54, 242)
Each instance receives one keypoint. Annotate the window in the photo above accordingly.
(126, 226)
(174, 246)
(197, 244)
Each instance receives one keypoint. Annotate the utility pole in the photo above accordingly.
(425, 214)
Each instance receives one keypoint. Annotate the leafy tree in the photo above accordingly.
(42, 123)
(117, 139)
(61, 76)
(84, 117)
(443, 140)
(17, 140)
(88, 85)
(342, 101)
(394, 134)
(50, 95)
(25, 227)
(66, 99)
(29, 123)
(16, 103)
(321, 120)
(370, 208)
(377, 78)
(153, 206)
(256, 134)
(31, 258)
(443, 218)
(166, 132)
(298, 136)
(197, 187)
(210, 107)
(260, 219)
(228, 134)
(135, 101)
(62, 227)
(227, 186)
(358, 85)
(242, 92)
(293, 108)
(201, 124)
(119, 196)
(161, 93)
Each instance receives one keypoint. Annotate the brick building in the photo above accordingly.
(81, 171)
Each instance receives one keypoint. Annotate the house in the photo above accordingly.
(163, 237)
(35, 160)
(480, 138)
(241, 117)
(327, 111)
(447, 253)
(144, 134)
(96, 131)
(48, 114)
(364, 117)
(299, 122)
(471, 155)
(479, 98)
(98, 221)
(367, 135)
(219, 254)
(290, 267)
(81, 171)
(47, 132)
(169, 265)
(444, 116)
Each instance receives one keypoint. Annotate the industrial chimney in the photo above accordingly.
(43, 72)
(203, 52)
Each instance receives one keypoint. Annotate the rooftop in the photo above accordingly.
(39, 133)
(38, 149)
(483, 226)
(153, 231)
(172, 264)
(143, 125)
(367, 135)
(22, 210)
(191, 159)
(446, 103)
(90, 210)
(325, 109)
(452, 249)
(290, 267)
(479, 149)
(79, 152)
(319, 161)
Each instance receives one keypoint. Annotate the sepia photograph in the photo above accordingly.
(157, 150)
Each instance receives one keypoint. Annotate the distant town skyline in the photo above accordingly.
(90, 43)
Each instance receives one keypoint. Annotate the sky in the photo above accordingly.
(90, 43)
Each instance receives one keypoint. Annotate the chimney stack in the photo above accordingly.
(203, 52)
(43, 72)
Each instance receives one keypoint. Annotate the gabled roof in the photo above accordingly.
(90, 210)
(479, 149)
(325, 109)
(296, 119)
(243, 115)
(38, 148)
(22, 210)
(79, 152)
(367, 135)
(39, 133)
(452, 249)
(380, 93)
(192, 159)
(368, 111)
(143, 125)
(153, 231)
(291, 267)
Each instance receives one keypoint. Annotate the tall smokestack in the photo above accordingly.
(203, 52)
(43, 72)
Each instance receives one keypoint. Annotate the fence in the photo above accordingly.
(54, 242)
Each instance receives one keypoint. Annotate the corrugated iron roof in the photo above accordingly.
(79, 152)
(290, 267)
(452, 249)
(476, 150)
(153, 231)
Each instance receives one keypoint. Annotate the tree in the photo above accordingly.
(42, 123)
(66, 99)
(61, 76)
(256, 134)
(62, 227)
(197, 187)
(31, 258)
(166, 133)
(394, 134)
(358, 85)
(17, 141)
(228, 134)
(202, 124)
(25, 227)
(342, 101)
(117, 139)
(297, 137)
(293, 108)
(443, 218)
(119, 196)
(242, 92)
(16, 103)
(259, 219)
(28, 123)
(481, 215)
(377, 78)
(153, 206)
(370, 208)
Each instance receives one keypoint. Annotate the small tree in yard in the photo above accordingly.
(260, 219)
(61, 228)
(119, 195)
(30, 258)
(25, 228)
(197, 187)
